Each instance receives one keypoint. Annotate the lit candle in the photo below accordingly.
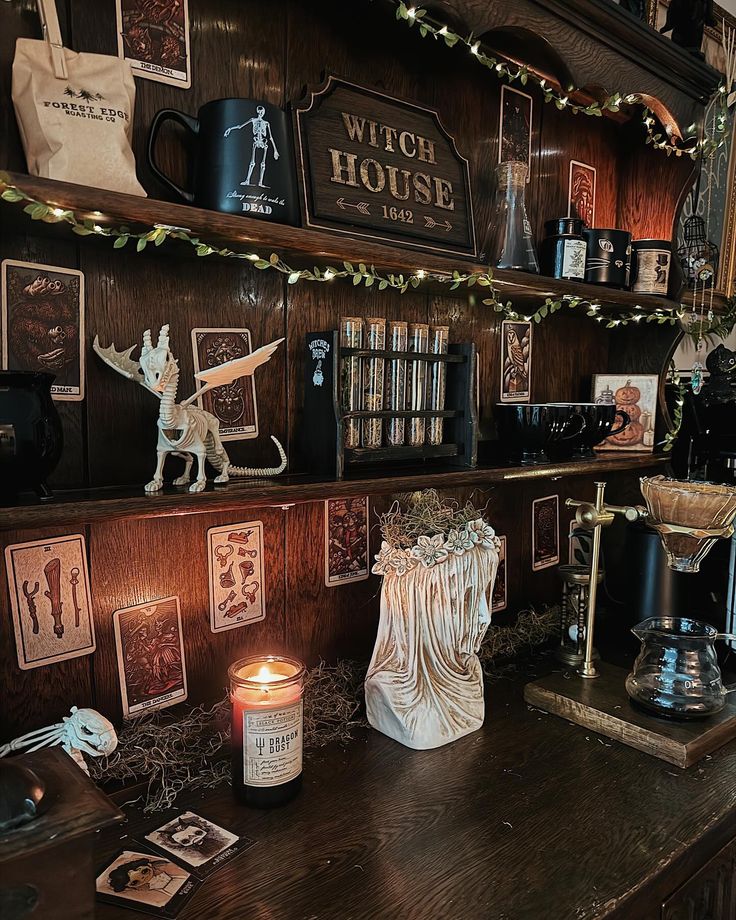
(267, 726)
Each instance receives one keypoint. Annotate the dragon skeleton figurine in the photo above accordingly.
(185, 430)
(83, 731)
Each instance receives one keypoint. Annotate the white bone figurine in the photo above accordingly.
(84, 731)
(183, 429)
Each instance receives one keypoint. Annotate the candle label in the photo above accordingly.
(272, 745)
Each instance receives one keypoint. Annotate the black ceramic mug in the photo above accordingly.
(529, 432)
(241, 159)
(608, 257)
(600, 419)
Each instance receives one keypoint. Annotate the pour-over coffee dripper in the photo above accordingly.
(689, 517)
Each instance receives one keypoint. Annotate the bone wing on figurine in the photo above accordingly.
(223, 374)
(121, 362)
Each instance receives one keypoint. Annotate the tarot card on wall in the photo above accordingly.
(515, 128)
(146, 882)
(635, 395)
(233, 405)
(43, 324)
(150, 651)
(153, 37)
(200, 845)
(50, 600)
(237, 583)
(545, 532)
(581, 192)
(516, 361)
(498, 598)
(346, 540)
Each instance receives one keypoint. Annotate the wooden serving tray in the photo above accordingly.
(602, 705)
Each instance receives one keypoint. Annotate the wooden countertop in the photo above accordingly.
(531, 818)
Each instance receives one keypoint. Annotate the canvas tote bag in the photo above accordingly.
(74, 111)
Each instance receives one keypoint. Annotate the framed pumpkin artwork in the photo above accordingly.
(635, 398)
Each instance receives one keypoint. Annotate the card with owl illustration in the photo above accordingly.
(516, 361)
(233, 405)
(43, 324)
(545, 532)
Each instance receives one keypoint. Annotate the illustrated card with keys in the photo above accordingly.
(50, 600)
(237, 590)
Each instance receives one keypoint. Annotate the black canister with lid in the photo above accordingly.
(608, 258)
(562, 254)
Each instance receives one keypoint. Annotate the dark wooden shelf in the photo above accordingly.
(303, 246)
(89, 506)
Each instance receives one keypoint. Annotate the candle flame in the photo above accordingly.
(265, 675)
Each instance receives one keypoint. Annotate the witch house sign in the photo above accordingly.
(379, 167)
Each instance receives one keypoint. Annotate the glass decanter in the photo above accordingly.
(509, 242)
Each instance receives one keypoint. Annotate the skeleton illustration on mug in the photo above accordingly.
(262, 134)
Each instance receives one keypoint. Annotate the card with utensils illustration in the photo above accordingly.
(43, 324)
(515, 127)
(234, 405)
(498, 598)
(347, 551)
(153, 37)
(581, 192)
(237, 584)
(50, 600)
(545, 532)
(198, 844)
(150, 653)
(144, 881)
(516, 361)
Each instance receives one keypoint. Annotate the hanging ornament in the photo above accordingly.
(698, 256)
(696, 377)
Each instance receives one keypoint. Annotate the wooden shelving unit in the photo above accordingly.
(95, 505)
(304, 246)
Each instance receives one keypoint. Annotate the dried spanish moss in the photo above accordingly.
(425, 513)
(530, 629)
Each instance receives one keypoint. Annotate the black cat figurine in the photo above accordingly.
(686, 19)
(721, 385)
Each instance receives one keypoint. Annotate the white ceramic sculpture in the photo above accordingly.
(83, 731)
(183, 429)
(424, 686)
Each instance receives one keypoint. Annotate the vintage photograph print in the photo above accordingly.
(237, 582)
(153, 37)
(43, 324)
(516, 361)
(50, 600)
(346, 540)
(234, 405)
(498, 598)
(150, 652)
(197, 843)
(515, 128)
(545, 532)
(635, 397)
(581, 192)
(146, 882)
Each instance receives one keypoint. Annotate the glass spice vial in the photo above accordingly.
(267, 729)
(373, 382)
(438, 343)
(417, 388)
(351, 336)
(398, 340)
(562, 253)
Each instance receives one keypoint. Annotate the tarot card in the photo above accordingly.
(635, 397)
(581, 192)
(50, 600)
(150, 652)
(498, 598)
(516, 361)
(515, 128)
(43, 324)
(346, 540)
(153, 37)
(580, 544)
(237, 583)
(147, 882)
(200, 845)
(545, 532)
(234, 405)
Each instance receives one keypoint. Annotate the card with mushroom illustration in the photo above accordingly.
(50, 600)
(237, 590)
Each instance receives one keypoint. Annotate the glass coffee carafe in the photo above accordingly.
(676, 673)
(509, 242)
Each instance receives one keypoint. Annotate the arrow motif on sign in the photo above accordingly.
(362, 206)
(431, 223)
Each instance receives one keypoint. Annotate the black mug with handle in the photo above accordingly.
(241, 159)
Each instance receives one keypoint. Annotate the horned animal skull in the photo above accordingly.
(157, 364)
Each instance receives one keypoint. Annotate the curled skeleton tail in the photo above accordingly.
(242, 471)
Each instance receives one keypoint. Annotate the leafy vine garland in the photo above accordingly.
(361, 273)
(518, 73)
